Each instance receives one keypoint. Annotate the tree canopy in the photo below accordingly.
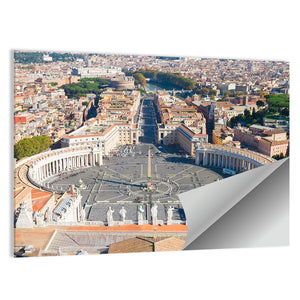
(140, 78)
(260, 103)
(173, 79)
(278, 101)
(31, 146)
(248, 118)
(278, 104)
(85, 86)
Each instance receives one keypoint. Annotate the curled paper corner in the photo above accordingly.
(250, 209)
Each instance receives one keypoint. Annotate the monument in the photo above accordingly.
(122, 213)
(154, 214)
(80, 185)
(170, 215)
(141, 219)
(109, 214)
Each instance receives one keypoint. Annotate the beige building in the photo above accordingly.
(263, 139)
(168, 134)
(107, 137)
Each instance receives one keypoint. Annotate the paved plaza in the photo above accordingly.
(121, 180)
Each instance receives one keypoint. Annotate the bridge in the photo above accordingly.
(173, 92)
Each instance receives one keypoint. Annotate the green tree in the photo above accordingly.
(260, 103)
(238, 93)
(173, 80)
(85, 86)
(139, 77)
(246, 113)
(31, 146)
(227, 94)
(204, 92)
(285, 112)
(212, 92)
(273, 110)
(261, 94)
(278, 101)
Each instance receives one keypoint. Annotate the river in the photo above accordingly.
(153, 87)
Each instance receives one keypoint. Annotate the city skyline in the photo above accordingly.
(75, 113)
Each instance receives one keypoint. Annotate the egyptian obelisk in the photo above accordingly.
(149, 168)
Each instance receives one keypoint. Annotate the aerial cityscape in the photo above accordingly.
(104, 143)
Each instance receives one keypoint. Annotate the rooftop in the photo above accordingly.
(147, 244)
(39, 199)
(90, 130)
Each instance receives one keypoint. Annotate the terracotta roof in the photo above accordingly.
(284, 142)
(273, 131)
(39, 237)
(147, 244)
(39, 199)
(274, 143)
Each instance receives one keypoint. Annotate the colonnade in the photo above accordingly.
(54, 162)
(239, 160)
(222, 160)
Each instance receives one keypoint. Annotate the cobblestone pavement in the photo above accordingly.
(120, 182)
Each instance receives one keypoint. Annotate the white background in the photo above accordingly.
(228, 29)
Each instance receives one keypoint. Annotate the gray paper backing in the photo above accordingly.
(250, 209)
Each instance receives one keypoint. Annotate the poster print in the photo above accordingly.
(105, 144)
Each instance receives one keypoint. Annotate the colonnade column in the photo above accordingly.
(204, 158)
